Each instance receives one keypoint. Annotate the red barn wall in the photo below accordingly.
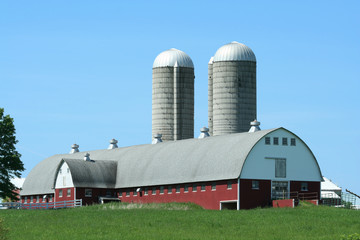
(64, 197)
(313, 192)
(209, 199)
(96, 193)
(252, 198)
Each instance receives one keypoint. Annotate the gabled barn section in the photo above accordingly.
(241, 171)
(280, 165)
(85, 179)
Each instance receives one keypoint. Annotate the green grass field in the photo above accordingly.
(180, 221)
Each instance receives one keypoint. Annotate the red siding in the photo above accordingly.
(34, 198)
(312, 193)
(209, 199)
(96, 193)
(252, 198)
(65, 196)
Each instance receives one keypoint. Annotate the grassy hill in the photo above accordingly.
(180, 221)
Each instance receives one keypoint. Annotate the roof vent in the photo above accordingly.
(157, 138)
(204, 133)
(87, 157)
(74, 148)
(254, 126)
(113, 144)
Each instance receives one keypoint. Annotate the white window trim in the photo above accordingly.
(227, 201)
(161, 193)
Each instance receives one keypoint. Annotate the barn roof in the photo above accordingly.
(97, 174)
(190, 160)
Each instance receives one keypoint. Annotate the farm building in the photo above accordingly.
(232, 167)
(330, 192)
(242, 171)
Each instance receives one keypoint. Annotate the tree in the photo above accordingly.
(10, 163)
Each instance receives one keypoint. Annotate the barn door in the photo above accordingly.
(280, 189)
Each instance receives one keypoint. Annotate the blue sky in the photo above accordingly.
(81, 71)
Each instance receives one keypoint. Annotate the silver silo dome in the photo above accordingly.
(232, 89)
(173, 95)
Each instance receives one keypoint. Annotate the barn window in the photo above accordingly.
(120, 193)
(229, 185)
(194, 188)
(60, 193)
(186, 188)
(203, 187)
(68, 170)
(135, 192)
(37, 199)
(51, 198)
(267, 140)
(154, 191)
(280, 168)
(146, 191)
(284, 141)
(108, 193)
(88, 192)
(25, 201)
(304, 186)
(161, 189)
(255, 184)
(127, 192)
(68, 192)
(213, 186)
(177, 188)
(293, 142)
(169, 190)
(276, 141)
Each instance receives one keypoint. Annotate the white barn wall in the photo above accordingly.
(300, 162)
(64, 179)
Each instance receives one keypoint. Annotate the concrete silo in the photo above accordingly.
(232, 89)
(173, 95)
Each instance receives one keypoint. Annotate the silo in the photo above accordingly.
(210, 95)
(173, 95)
(233, 102)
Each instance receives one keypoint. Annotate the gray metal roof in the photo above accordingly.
(234, 51)
(171, 57)
(190, 160)
(96, 174)
(41, 178)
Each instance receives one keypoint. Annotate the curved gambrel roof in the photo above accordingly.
(97, 174)
(190, 160)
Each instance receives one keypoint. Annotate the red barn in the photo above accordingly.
(238, 171)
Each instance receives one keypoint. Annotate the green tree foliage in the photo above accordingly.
(10, 163)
